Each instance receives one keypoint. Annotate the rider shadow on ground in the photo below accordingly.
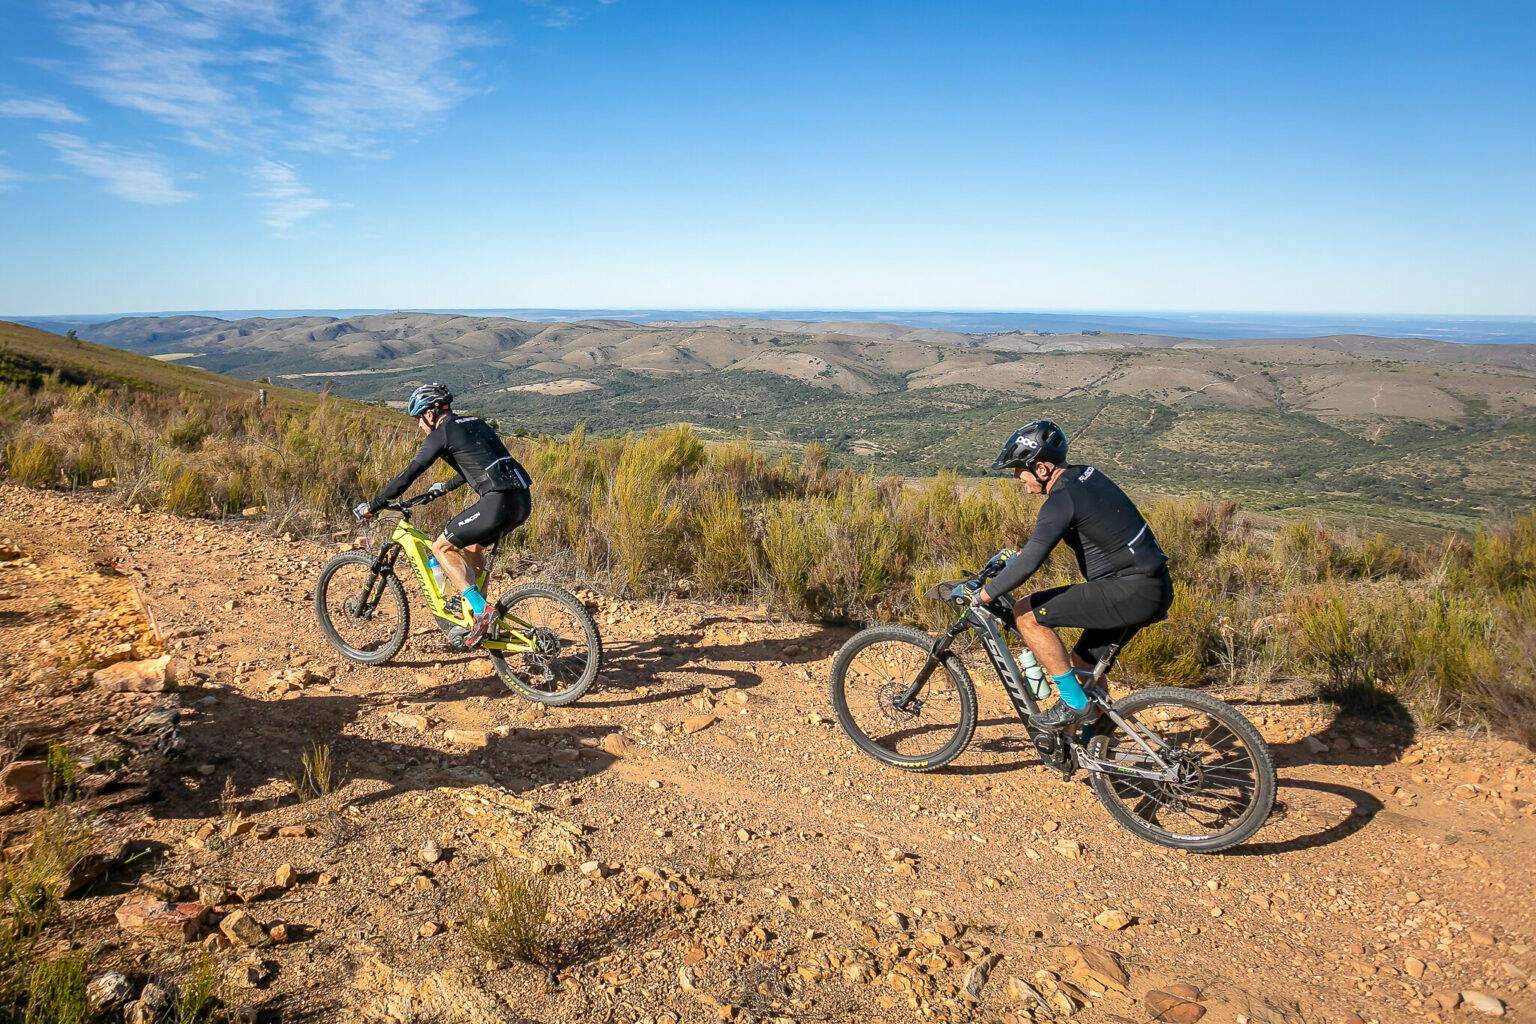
(253, 743)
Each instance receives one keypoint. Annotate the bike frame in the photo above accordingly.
(988, 625)
(417, 548)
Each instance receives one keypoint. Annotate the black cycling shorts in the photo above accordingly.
(493, 515)
(1109, 610)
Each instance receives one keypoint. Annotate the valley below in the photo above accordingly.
(1375, 433)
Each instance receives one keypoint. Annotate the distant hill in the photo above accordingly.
(1413, 430)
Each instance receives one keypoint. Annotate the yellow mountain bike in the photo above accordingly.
(543, 644)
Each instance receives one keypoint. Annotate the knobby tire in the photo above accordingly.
(508, 663)
(959, 679)
(1241, 759)
(394, 593)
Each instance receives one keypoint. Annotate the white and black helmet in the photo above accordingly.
(428, 396)
(1029, 444)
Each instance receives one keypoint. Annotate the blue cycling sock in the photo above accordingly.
(1071, 690)
(476, 602)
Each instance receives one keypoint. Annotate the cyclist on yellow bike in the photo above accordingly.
(471, 447)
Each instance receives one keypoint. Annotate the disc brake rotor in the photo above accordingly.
(889, 695)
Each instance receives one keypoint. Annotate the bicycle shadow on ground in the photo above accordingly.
(632, 664)
(1308, 812)
(254, 743)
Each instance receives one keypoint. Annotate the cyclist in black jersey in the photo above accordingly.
(1126, 586)
(471, 447)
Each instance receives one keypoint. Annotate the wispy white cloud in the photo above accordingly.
(39, 110)
(285, 199)
(326, 75)
(8, 178)
(136, 177)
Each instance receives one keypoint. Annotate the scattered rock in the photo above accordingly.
(285, 877)
(859, 974)
(213, 894)
(181, 919)
(467, 737)
(1414, 967)
(431, 852)
(1024, 992)
(295, 832)
(401, 720)
(24, 782)
(1071, 850)
(428, 930)
(976, 977)
(278, 933)
(109, 989)
(1316, 745)
(154, 1004)
(1482, 1002)
(1173, 1008)
(242, 930)
(1480, 937)
(149, 676)
(618, 745)
(1098, 968)
(1183, 990)
(698, 723)
(1113, 920)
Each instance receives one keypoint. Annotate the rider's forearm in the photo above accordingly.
(1019, 568)
(454, 483)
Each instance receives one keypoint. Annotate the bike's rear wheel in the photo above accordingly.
(362, 613)
(874, 668)
(567, 649)
(1227, 774)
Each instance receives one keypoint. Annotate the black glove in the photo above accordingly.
(964, 596)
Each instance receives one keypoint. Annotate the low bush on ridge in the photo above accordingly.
(1447, 631)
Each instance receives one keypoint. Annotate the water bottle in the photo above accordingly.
(437, 574)
(1034, 675)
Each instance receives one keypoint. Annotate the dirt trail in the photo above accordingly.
(757, 869)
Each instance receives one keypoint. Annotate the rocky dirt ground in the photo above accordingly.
(755, 869)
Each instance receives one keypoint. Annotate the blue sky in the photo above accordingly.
(1285, 156)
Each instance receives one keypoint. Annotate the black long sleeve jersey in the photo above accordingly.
(471, 447)
(1099, 523)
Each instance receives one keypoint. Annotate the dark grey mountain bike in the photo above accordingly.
(1174, 766)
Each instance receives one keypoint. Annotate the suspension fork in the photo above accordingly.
(936, 654)
(383, 563)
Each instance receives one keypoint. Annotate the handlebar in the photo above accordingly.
(404, 507)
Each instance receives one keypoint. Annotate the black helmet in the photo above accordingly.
(1041, 439)
(428, 396)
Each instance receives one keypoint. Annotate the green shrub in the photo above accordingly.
(56, 992)
(722, 561)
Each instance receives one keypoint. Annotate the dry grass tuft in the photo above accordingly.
(506, 917)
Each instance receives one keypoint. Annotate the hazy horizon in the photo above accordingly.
(1196, 324)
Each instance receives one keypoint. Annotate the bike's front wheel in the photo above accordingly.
(873, 672)
(1225, 787)
(553, 651)
(362, 613)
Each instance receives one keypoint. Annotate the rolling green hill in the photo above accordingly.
(1397, 431)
